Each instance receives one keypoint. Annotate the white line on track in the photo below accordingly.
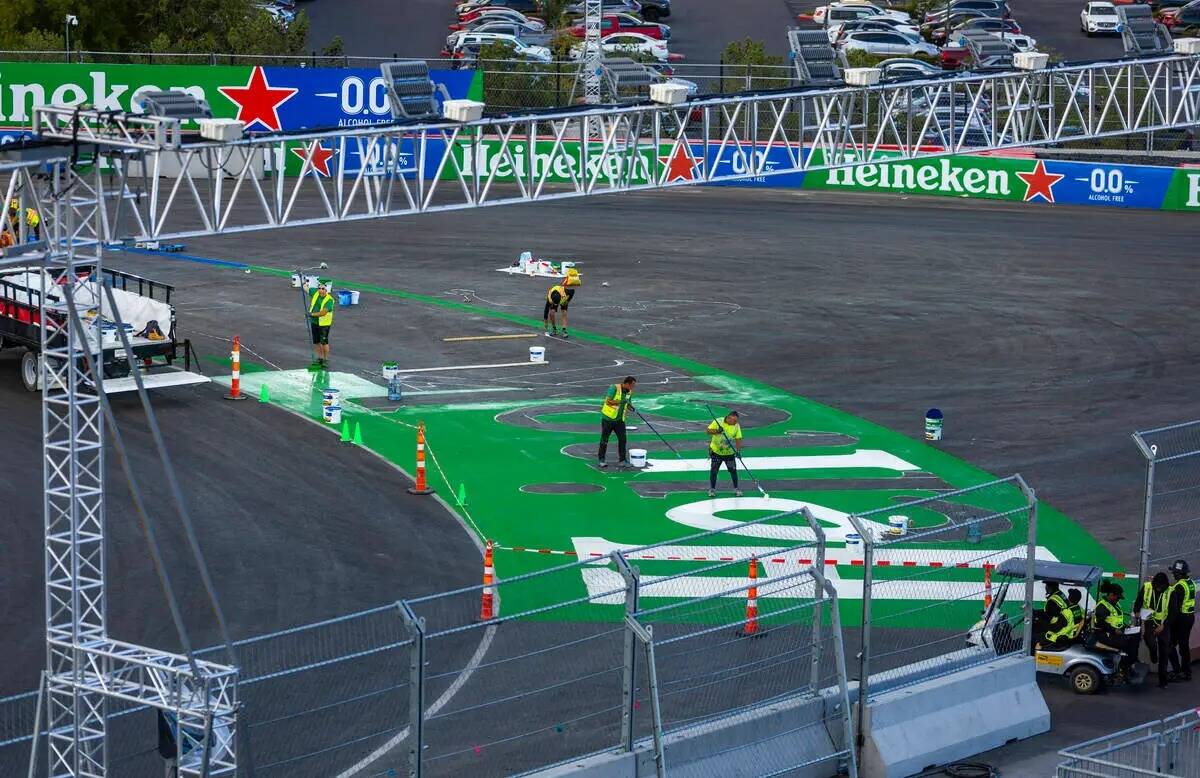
(469, 367)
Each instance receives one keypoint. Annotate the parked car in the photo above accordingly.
(612, 23)
(489, 14)
(628, 43)
(528, 35)
(844, 12)
(872, 24)
(1182, 22)
(957, 55)
(998, 27)
(524, 6)
(1098, 18)
(887, 43)
(899, 67)
(996, 8)
(958, 17)
(650, 10)
(476, 40)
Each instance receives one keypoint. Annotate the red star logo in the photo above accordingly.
(258, 101)
(1039, 183)
(318, 154)
(680, 165)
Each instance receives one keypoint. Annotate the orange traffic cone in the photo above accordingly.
(751, 627)
(420, 487)
(987, 586)
(487, 609)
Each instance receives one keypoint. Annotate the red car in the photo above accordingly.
(613, 23)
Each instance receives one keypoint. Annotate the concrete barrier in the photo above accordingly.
(952, 717)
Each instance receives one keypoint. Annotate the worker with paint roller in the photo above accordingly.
(558, 298)
(723, 449)
(320, 313)
(612, 419)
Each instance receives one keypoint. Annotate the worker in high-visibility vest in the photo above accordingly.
(1152, 601)
(1066, 629)
(724, 443)
(320, 312)
(612, 419)
(1109, 623)
(33, 222)
(1181, 617)
(557, 299)
(1050, 614)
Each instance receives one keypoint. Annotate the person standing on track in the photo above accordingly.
(320, 313)
(1154, 597)
(612, 419)
(720, 452)
(1181, 617)
(557, 299)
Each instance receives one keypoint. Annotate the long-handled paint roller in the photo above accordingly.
(304, 302)
(737, 453)
(660, 437)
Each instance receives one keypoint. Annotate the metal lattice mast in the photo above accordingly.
(592, 53)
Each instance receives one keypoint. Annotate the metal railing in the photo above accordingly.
(1171, 521)
(1168, 747)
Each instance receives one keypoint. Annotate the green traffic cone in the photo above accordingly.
(357, 434)
(264, 394)
(462, 495)
(345, 431)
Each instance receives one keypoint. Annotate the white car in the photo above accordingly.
(1021, 42)
(887, 43)
(487, 15)
(628, 43)
(476, 40)
(842, 12)
(1098, 18)
(871, 24)
(908, 68)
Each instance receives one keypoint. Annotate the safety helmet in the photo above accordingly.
(1180, 567)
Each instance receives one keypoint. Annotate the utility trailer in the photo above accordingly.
(140, 301)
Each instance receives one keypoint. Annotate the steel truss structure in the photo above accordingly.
(145, 180)
(391, 170)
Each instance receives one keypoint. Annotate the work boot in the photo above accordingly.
(712, 492)
(601, 464)
(737, 492)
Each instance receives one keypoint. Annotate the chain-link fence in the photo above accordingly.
(1168, 747)
(1171, 523)
(926, 574)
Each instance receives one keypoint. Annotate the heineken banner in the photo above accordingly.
(265, 98)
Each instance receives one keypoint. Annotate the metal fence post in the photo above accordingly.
(864, 656)
(37, 725)
(416, 686)
(629, 681)
(646, 634)
(839, 654)
(1030, 559)
(1149, 452)
(818, 606)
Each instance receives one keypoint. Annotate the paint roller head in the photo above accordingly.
(324, 265)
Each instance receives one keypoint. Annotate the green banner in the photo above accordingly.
(1183, 194)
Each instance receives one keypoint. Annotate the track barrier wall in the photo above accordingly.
(1168, 747)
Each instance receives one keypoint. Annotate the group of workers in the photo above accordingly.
(724, 445)
(1167, 610)
(10, 228)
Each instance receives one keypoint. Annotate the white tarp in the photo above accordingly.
(134, 309)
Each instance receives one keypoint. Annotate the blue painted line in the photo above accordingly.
(181, 257)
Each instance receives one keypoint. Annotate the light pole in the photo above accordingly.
(71, 21)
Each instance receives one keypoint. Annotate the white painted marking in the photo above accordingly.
(702, 516)
(526, 363)
(415, 392)
(863, 458)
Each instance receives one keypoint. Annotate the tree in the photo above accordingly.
(747, 65)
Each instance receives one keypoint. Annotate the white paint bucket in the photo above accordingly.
(897, 525)
(296, 280)
(854, 545)
(933, 424)
(537, 353)
(389, 370)
(332, 414)
(331, 397)
(354, 296)
(312, 281)
(637, 457)
(566, 265)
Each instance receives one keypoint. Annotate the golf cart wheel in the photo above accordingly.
(29, 370)
(1086, 680)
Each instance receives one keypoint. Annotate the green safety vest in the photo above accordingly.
(610, 411)
(719, 445)
(1114, 618)
(1187, 603)
(324, 306)
(1155, 602)
(1072, 617)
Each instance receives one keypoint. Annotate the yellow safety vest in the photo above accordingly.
(1114, 618)
(610, 411)
(1072, 623)
(1187, 603)
(1058, 598)
(31, 216)
(1155, 602)
(325, 303)
(718, 445)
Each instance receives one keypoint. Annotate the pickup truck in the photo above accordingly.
(626, 23)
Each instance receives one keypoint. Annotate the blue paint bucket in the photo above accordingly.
(345, 297)
(933, 424)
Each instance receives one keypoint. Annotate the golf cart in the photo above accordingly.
(1087, 666)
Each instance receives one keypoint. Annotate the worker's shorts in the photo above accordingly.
(320, 335)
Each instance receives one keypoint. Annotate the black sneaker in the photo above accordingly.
(565, 335)
(602, 464)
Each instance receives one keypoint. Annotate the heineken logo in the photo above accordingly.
(99, 89)
(943, 176)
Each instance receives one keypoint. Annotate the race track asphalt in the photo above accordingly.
(1046, 334)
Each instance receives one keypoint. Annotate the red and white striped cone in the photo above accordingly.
(487, 605)
(751, 625)
(987, 586)
(235, 383)
(421, 486)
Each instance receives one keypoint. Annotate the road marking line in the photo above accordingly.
(478, 367)
(490, 337)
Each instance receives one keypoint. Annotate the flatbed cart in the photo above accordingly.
(139, 302)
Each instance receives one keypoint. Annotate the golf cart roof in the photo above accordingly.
(1060, 572)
